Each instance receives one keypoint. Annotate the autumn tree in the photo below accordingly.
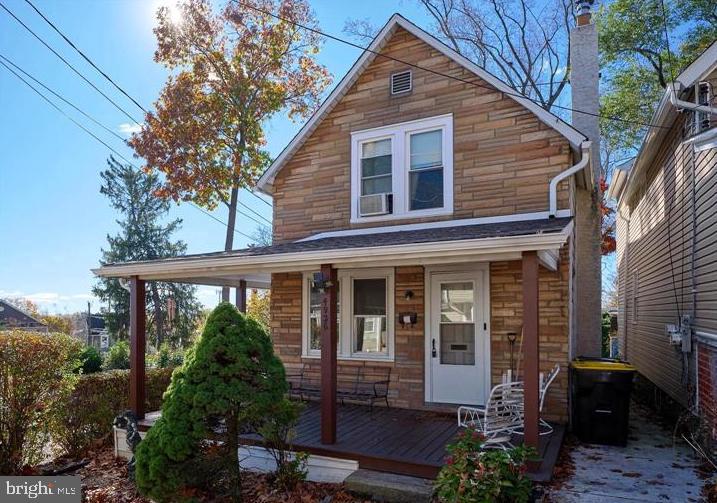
(172, 308)
(231, 72)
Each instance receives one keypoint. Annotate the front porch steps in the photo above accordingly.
(389, 487)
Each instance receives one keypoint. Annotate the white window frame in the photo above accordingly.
(345, 339)
(400, 160)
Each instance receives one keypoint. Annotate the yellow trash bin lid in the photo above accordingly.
(603, 365)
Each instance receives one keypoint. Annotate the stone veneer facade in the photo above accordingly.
(408, 373)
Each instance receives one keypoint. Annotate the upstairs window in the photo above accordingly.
(376, 160)
(403, 170)
(703, 93)
(426, 171)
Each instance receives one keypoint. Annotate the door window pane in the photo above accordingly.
(369, 316)
(315, 315)
(457, 327)
(457, 302)
(426, 170)
(376, 165)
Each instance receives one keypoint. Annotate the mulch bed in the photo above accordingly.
(105, 480)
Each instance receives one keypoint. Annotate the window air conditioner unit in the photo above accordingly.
(375, 204)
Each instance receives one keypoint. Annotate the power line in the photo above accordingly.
(255, 212)
(58, 109)
(240, 212)
(86, 58)
(260, 198)
(68, 63)
(104, 74)
(435, 72)
(60, 97)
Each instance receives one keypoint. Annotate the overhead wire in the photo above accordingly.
(105, 144)
(84, 56)
(69, 65)
(436, 72)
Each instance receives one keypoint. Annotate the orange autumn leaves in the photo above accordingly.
(231, 72)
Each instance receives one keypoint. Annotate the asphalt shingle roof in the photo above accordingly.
(402, 237)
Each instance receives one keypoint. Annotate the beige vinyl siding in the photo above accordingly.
(706, 245)
(656, 266)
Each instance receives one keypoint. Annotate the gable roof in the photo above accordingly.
(664, 117)
(369, 55)
(9, 312)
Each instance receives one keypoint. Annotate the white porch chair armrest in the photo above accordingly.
(470, 417)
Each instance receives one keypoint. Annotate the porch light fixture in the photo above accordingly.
(408, 295)
(321, 283)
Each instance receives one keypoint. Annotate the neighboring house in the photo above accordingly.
(91, 329)
(12, 317)
(431, 217)
(666, 243)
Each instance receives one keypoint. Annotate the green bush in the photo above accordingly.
(118, 356)
(231, 377)
(90, 360)
(166, 357)
(483, 476)
(87, 415)
(36, 376)
(278, 431)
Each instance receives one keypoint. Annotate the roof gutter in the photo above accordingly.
(686, 105)
(367, 255)
(553, 191)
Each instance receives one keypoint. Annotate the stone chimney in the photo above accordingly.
(587, 277)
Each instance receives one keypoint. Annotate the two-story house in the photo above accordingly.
(667, 318)
(431, 225)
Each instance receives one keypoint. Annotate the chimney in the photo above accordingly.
(584, 78)
(586, 286)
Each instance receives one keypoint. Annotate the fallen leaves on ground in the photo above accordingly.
(105, 480)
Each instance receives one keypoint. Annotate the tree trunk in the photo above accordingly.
(233, 455)
(158, 318)
(231, 224)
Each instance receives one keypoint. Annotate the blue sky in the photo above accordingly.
(54, 220)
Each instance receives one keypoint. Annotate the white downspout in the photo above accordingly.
(681, 104)
(553, 192)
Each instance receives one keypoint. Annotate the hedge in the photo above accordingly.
(96, 400)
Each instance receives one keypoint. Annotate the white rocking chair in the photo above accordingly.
(545, 382)
(500, 418)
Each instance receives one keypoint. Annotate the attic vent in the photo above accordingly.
(401, 82)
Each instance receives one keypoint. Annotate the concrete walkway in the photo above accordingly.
(648, 469)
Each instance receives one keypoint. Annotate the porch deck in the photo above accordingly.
(408, 442)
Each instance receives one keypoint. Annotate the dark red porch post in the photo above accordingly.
(530, 346)
(241, 296)
(329, 341)
(137, 345)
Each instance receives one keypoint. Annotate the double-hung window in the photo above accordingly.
(425, 183)
(376, 172)
(403, 170)
(365, 315)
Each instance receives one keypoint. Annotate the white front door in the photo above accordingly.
(458, 338)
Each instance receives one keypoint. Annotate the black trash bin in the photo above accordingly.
(600, 391)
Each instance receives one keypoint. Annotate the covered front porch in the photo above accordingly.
(397, 439)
